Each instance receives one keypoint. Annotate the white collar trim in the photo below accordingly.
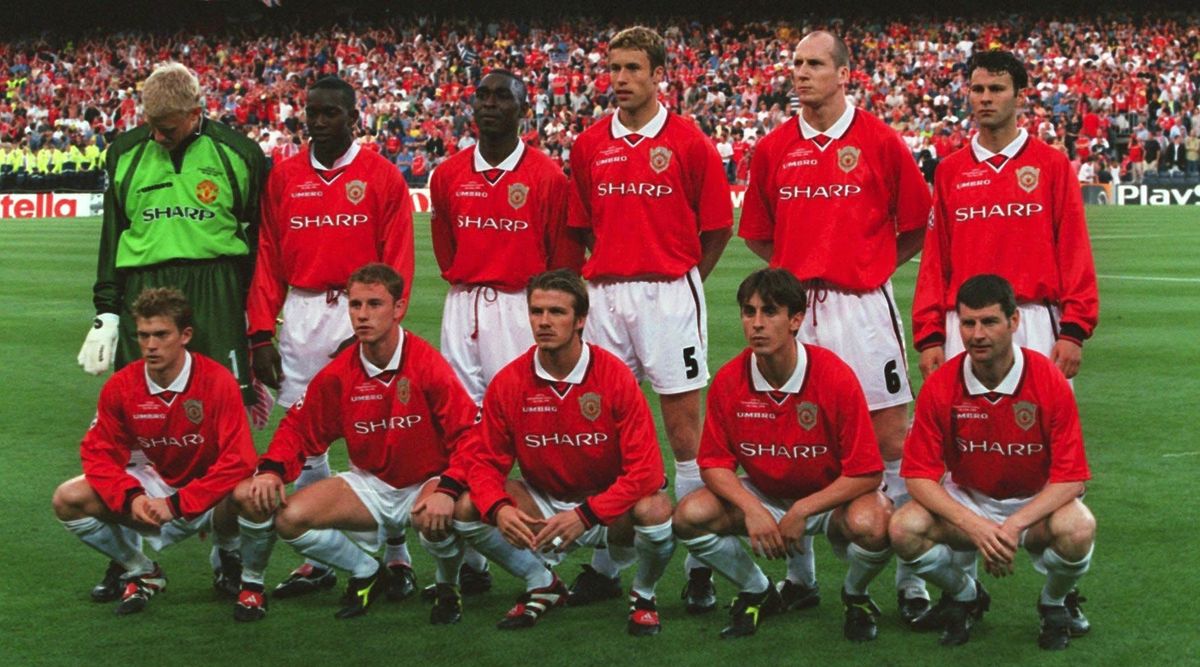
(793, 384)
(178, 384)
(342, 161)
(1007, 386)
(834, 132)
(507, 164)
(649, 130)
(576, 374)
(1010, 151)
(392, 365)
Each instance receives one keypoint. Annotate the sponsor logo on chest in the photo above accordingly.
(188, 440)
(328, 220)
(1005, 210)
(985, 446)
(585, 439)
(781, 451)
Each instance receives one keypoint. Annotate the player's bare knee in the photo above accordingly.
(289, 523)
(652, 510)
(69, 500)
(692, 515)
(1073, 530)
(867, 523)
(907, 529)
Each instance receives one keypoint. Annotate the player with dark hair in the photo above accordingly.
(406, 422)
(836, 198)
(571, 415)
(653, 203)
(326, 211)
(1007, 204)
(793, 417)
(169, 443)
(995, 461)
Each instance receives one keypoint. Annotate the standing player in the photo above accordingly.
(499, 218)
(181, 210)
(794, 418)
(836, 198)
(406, 421)
(1002, 421)
(326, 212)
(169, 442)
(574, 419)
(653, 202)
(1007, 204)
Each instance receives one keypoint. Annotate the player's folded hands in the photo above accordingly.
(560, 531)
(516, 526)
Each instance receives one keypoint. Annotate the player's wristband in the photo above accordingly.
(130, 495)
(490, 515)
(273, 467)
(450, 486)
(932, 340)
(586, 515)
(1072, 332)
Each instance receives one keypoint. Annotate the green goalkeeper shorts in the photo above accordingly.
(216, 290)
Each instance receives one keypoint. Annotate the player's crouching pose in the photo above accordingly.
(573, 417)
(1002, 421)
(169, 442)
(794, 418)
(406, 420)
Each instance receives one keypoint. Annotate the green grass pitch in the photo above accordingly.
(1140, 374)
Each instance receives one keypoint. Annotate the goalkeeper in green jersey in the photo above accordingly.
(181, 210)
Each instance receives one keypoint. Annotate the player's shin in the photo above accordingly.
(258, 539)
(316, 468)
(448, 554)
(654, 546)
(519, 562)
(864, 565)
(1062, 575)
(112, 541)
(727, 556)
(937, 566)
(333, 547)
(802, 567)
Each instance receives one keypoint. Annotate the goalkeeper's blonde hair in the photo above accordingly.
(171, 89)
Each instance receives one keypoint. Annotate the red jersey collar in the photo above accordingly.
(794, 383)
(1008, 386)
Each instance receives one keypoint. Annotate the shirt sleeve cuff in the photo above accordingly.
(450, 486)
(274, 467)
(490, 514)
(130, 495)
(587, 515)
(1072, 332)
(932, 340)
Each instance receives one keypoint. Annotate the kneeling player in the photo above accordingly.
(404, 416)
(794, 418)
(573, 417)
(1002, 421)
(169, 442)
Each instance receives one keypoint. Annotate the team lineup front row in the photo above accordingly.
(994, 462)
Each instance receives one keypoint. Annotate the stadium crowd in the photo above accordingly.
(1118, 95)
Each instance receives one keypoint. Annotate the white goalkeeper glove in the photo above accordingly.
(100, 346)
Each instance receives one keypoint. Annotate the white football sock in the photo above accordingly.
(687, 478)
(967, 561)
(333, 547)
(258, 539)
(109, 540)
(521, 563)
(395, 550)
(863, 566)
(937, 566)
(654, 546)
(1062, 575)
(448, 555)
(316, 468)
(802, 568)
(726, 556)
(603, 563)
(474, 560)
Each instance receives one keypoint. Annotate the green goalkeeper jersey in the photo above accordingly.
(196, 203)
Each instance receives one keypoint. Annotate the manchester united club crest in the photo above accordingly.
(194, 410)
(589, 406)
(1025, 414)
(206, 192)
(660, 159)
(806, 415)
(355, 191)
(1027, 178)
(403, 390)
(848, 158)
(518, 193)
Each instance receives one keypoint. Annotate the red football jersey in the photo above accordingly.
(403, 426)
(500, 227)
(318, 227)
(1005, 443)
(794, 442)
(1023, 220)
(589, 439)
(833, 209)
(647, 198)
(197, 439)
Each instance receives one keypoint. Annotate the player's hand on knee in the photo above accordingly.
(143, 511)
(100, 345)
(931, 359)
(267, 364)
(764, 534)
(267, 493)
(1067, 355)
(433, 514)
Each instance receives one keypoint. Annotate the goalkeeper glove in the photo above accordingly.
(100, 346)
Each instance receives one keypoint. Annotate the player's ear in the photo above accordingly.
(401, 309)
(794, 322)
(1015, 320)
(185, 336)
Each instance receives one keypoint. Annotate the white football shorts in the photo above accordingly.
(483, 329)
(864, 330)
(549, 506)
(314, 323)
(175, 530)
(659, 328)
(987, 507)
(390, 507)
(817, 524)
